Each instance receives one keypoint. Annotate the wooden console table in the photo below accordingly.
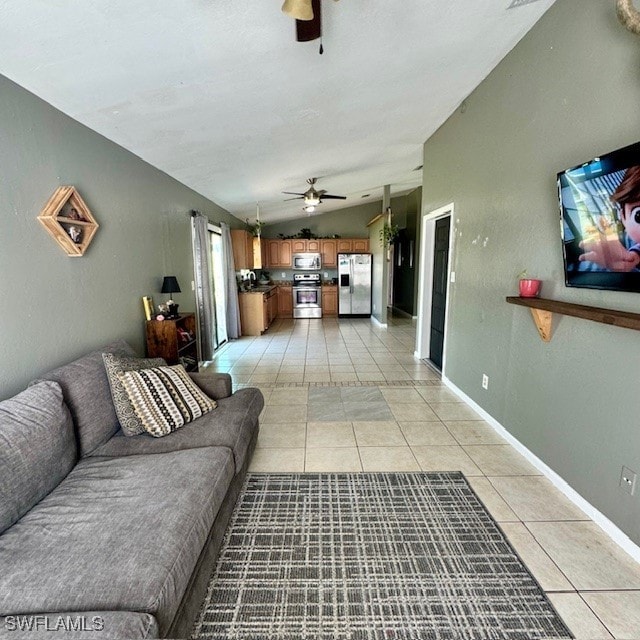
(542, 310)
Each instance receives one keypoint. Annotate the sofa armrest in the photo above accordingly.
(215, 385)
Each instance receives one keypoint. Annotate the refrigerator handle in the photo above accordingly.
(351, 273)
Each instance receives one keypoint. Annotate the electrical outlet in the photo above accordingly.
(453, 276)
(628, 480)
(485, 381)
(326, 274)
(193, 285)
(284, 275)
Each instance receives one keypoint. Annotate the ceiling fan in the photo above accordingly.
(312, 197)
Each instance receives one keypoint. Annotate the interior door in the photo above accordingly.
(439, 295)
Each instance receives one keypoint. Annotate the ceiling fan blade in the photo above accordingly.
(328, 196)
(298, 198)
(293, 193)
(307, 30)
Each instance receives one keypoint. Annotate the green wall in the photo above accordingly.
(56, 307)
(569, 91)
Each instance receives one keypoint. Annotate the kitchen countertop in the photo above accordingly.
(266, 288)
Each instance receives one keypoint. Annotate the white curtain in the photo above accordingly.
(231, 285)
(204, 299)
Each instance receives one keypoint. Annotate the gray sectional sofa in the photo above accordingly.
(111, 535)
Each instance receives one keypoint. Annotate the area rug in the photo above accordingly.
(364, 556)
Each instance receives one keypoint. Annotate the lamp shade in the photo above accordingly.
(298, 9)
(170, 285)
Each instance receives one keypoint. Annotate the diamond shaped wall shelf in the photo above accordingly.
(68, 221)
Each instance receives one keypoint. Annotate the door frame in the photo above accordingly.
(425, 281)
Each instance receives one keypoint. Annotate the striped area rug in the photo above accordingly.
(364, 556)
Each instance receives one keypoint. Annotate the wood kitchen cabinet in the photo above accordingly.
(353, 245)
(300, 245)
(285, 302)
(360, 245)
(279, 253)
(247, 250)
(329, 250)
(257, 311)
(329, 300)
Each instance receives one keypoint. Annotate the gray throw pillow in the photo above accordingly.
(165, 398)
(115, 365)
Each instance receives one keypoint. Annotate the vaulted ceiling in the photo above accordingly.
(218, 94)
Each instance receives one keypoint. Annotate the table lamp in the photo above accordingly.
(170, 285)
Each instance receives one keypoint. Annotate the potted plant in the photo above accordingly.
(528, 287)
(388, 234)
(256, 229)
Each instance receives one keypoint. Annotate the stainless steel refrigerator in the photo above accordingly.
(354, 284)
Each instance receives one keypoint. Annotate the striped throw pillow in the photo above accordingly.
(165, 398)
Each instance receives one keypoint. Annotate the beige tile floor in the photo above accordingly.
(320, 379)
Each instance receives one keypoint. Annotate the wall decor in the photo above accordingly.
(69, 221)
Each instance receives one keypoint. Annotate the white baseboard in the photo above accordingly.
(611, 529)
(377, 322)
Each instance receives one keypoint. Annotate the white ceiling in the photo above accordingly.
(218, 94)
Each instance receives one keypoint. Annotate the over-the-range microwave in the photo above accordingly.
(306, 262)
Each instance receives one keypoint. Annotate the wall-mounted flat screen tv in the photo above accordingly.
(600, 210)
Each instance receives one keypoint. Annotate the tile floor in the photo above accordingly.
(349, 396)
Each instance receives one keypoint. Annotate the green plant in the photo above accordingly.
(306, 233)
(522, 275)
(256, 229)
(388, 234)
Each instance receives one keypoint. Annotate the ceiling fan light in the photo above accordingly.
(309, 208)
(298, 9)
(312, 201)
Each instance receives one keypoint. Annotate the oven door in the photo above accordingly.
(306, 261)
(307, 302)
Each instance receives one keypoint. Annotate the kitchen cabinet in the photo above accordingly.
(258, 309)
(247, 250)
(329, 250)
(329, 300)
(279, 253)
(285, 302)
(353, 245)
(305, 246)
(360, 245)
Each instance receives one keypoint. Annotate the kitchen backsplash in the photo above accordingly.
(286, 275)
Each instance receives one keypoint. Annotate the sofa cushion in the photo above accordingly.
(231, 425)
(105, 625)
(115, 364)
(37, 448)
(118, 534)
(165, 398)
(86, 391)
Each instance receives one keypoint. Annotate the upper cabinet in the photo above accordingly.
(248, 252)
(300, 245)
(353, 245)
(279, 253)
(329, 250)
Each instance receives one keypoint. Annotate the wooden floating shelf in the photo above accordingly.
(542, 310)
(69, 221)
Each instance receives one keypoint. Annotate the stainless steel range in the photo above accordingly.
(307, 295)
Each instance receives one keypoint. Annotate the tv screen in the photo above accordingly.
(600, 210)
